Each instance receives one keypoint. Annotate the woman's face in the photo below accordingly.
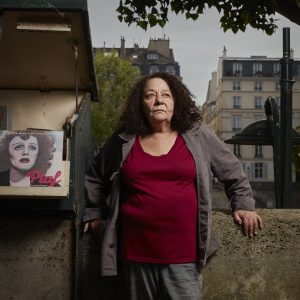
(158, 101)
(23, 153)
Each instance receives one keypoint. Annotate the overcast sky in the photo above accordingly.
(197, 45)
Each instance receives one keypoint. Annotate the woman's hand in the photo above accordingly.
(93, 225)
(250, 221)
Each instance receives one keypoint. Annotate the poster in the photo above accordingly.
(31, 158)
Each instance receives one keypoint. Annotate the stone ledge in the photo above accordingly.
(264, 267)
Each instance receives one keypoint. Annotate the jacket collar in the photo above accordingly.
(129, 136)
(126, 136)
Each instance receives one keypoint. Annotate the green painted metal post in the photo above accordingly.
(286, 83)
(272, 113)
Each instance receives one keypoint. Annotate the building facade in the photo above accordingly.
(157, 57)
(236, 95)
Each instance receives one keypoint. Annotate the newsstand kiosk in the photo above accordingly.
(46, 83)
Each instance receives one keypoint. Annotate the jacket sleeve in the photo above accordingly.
(97, 183)
(95, 188)
(228, 169)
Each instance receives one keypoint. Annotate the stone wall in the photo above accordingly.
(37, 260)
(264, 267)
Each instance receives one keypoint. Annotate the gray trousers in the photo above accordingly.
(147, 281)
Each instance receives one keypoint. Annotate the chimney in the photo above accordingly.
(122, 50)
(136, 46)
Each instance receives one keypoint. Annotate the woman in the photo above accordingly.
(21, 153)
(159, 208)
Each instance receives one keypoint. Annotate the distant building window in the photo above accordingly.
(170, 69)
(152, 56)
(258, 102)
(277, 85)
(257, 69)
(237, 150)
(276, 69)
(258, 118)
(236, 102)
(237, 69)
(154, 69)
(236, 123)
(258, 151)
(236, 86)
(277, 98)
(258, 170)
(258, 85)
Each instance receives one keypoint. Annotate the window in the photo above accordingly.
(258, 170)
(237, 150)
(258, 118)
(154, 69)
(236, 123)
(257, 69)
(152, 56)
(277, 98)
(258, 85)
(258, 151)
(277, 85)
(237, 69)
(236, 85)
(258, 102)
(276, 69)
(170, 69)
(236, 102)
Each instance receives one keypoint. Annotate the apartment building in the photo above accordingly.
(157, 57)
(235, 98)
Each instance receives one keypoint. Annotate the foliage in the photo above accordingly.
(236, 14)
(115, 76)
(296, 154)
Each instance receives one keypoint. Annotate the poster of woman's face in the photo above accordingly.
(31, 158)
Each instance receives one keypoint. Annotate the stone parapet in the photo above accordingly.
(264, 267)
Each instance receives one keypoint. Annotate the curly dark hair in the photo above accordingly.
(45, 154)
(186, 112)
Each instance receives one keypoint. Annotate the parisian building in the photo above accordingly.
(157, 57)
(235, 98)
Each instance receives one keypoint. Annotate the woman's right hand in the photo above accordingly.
(93, 225)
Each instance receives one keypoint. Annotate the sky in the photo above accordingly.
(197, 45)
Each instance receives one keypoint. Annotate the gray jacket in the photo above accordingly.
(102, 185)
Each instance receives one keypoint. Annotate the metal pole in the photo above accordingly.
(286, 83)
(272, 114)
(75, 48)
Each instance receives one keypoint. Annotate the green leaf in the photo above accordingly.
(237, 14)
(143, 24)
(154, 11)
(152, 19)
(161, 22)
(176, 6)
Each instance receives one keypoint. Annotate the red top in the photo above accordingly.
(159, 206)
